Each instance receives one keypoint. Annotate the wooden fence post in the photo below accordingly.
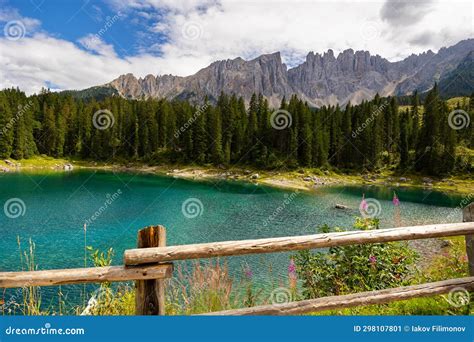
(150, 294)
(468, 216)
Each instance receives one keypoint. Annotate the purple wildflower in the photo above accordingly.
(248, 272)
(372, 259)
(395, 201)
(292, 268)
(363, 204)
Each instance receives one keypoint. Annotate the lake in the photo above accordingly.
(117, 205)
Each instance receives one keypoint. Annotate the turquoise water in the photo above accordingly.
(57, 205)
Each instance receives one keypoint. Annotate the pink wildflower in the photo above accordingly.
(248, 272)
(292, 269)
(395, 201)
(363, 203)
(372, 259)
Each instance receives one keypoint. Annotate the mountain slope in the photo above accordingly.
(460, 81)
(320, 79)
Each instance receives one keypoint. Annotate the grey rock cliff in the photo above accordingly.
(321, 79)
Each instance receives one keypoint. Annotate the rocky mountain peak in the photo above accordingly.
(321, 79)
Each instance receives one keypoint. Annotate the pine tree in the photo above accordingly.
(415, 114)
(200, 137)
(428, 148)
(404, 145)
(216, 155)
(6, 126)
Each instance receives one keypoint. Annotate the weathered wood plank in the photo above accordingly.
(357, 299)
(150, 294)
(468, 216)
(84, 275)
(216, 249)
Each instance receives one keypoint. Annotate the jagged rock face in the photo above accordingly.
(320, 80)
(166, 86)
(325, 79)
(265, 74)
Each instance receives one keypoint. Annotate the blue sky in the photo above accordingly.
(74, 44)
(73, 19)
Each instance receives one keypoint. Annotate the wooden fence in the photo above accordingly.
(151, 263)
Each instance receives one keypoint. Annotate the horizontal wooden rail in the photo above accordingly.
(84, 275)
(361, 298)
(293, 243)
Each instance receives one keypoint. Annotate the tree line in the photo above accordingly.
(371, 135)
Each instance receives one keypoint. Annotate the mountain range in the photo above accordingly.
(322, 79)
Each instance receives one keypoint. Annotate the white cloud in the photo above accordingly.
(32, 62)
(94, 43)
(11, 14)
(200, 32)
(249, 28)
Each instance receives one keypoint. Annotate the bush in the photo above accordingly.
(355, 268)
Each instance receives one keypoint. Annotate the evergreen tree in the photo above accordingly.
(6, 126)
(404, 144)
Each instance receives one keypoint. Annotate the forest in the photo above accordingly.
(369, 136)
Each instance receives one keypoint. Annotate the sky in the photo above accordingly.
(76, 44)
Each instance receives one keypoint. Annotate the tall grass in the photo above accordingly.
(204, 288)
(196, 288)
(25, 300)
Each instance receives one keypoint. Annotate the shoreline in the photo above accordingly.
(298, 180)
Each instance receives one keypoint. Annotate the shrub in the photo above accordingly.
(355, 268)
